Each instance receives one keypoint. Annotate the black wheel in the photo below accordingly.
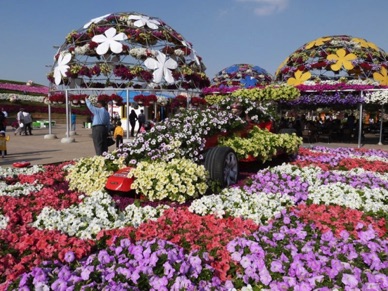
(222, 164)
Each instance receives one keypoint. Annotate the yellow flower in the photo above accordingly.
(300, 77)
(342, 59)
(365, 44)
(381, 77)
(318, 42)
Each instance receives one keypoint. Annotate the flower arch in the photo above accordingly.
(127, 50)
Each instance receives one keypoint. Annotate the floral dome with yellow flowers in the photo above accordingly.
(335, 58)
(127, 50)
(341, 66)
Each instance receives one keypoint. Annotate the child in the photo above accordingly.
(3, 143)
(118, 134)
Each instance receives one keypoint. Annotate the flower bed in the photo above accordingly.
(318, 223)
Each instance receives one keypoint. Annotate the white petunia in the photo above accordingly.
(62, 67)
(109, 40)
(96, 20)
(162, 67)
(3, 221)
(141, 21)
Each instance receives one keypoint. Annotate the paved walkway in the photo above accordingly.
(37, 150)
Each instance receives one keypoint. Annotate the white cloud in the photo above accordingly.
(268, 7)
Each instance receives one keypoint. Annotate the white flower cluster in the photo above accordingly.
(179, 53)
(336, 82)
(260, 207)
(136, 215)
(162, 100)
(344, 43)
(82, 50)
(18, 189)
(96, 212)
(3, 221)
(188, 127)
(11, 172)
(377, 97)
(93, 99)
(308, 174)
(21, 97)
(345, 195)
(140, 53)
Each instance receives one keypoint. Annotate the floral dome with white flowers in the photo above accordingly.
(335, 58)
(242, 76)
(127, 50)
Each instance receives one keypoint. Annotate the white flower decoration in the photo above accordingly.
(144, 20)
(96, 20)
(162, 67)
(62, 67)
(109, 40)
(193, 53)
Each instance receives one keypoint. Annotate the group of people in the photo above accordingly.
(24, 125)
(133, 117)
(101, 126)
(344, 128)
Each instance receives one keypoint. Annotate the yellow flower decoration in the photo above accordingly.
(365, 43)
(318, 42)
(342, 59)
(282, 65)
(381, 77)
(300, 77)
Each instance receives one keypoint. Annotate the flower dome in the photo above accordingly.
(336, 58)
(127, 50)
(242, 76)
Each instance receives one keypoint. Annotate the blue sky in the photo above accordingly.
(223, 32)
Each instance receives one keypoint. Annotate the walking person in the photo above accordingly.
(142, 119)
(132, 121)
(100, 126)
(3, 143)
(118, 134)
(5, 117)
(2, 121)
(73, 121)
(27, 120)
(20, 122)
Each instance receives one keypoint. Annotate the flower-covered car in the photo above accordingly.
(214, 139)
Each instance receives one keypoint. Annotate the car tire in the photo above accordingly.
(222, 164)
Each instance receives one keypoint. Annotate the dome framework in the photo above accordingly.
(127, 50)
(336, 58)
(242, 76)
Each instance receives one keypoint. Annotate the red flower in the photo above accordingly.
(338, 218)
